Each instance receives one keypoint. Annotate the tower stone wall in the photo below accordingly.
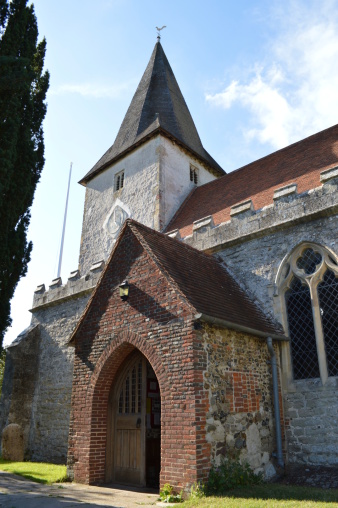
(105, 209)
(175, 180)
(156, 182)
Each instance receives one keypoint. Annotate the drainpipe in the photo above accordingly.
(280, 460)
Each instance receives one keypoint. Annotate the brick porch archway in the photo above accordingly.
(88, 429)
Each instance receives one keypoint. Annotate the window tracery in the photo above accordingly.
(308, 285)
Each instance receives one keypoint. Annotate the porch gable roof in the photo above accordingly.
(202, 281)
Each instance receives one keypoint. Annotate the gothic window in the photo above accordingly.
(194, 174)
(328, 301)
(302, 331)
(119, 181)
(308, 282)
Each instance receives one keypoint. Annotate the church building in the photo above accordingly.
(202, 320)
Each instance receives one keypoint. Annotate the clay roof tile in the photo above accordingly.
(206, 284)
(300, 163)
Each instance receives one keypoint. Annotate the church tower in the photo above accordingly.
(155, 162)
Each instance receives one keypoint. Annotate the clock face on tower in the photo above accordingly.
(115, 220)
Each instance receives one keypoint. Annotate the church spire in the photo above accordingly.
(158, 106)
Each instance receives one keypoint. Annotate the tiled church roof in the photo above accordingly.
(201, 280)
(206, 284)
(158, 106)
(300, 163)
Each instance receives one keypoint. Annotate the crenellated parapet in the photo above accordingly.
(75, 287)
(287, 209)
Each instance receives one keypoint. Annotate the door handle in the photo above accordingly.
(138, 423)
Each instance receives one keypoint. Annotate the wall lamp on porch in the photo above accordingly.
(124, 290)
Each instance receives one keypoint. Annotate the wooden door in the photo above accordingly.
(129, 424)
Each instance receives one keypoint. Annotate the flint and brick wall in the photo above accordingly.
(238, 379)
(252, 245)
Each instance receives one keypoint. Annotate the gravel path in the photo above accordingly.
(17, 492)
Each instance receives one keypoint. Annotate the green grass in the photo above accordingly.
(269, 496)
(258, 496)
(36, 471)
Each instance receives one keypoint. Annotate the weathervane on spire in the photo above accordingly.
(158, 31)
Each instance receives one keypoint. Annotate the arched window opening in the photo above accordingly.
(308, 284)
(302, 331)
(328, 301)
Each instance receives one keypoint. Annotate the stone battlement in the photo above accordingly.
(288, 208)
(75, 287)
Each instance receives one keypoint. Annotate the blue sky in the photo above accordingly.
(256, 75)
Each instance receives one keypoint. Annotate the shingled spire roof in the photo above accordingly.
(158, 106)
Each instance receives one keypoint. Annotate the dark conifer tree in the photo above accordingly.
(23, 88)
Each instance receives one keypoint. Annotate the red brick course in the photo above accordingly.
(246, 393)
(299, 163)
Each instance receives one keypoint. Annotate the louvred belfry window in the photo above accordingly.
(119, 181)
(309, 282)
(194, 174)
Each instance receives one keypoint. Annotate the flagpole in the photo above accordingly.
(64, 223)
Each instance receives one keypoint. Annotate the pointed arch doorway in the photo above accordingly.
(134, 425)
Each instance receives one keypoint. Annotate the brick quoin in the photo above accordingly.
(157, 321)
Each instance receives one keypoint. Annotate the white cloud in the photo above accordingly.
(295, 93)
(95, 90)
